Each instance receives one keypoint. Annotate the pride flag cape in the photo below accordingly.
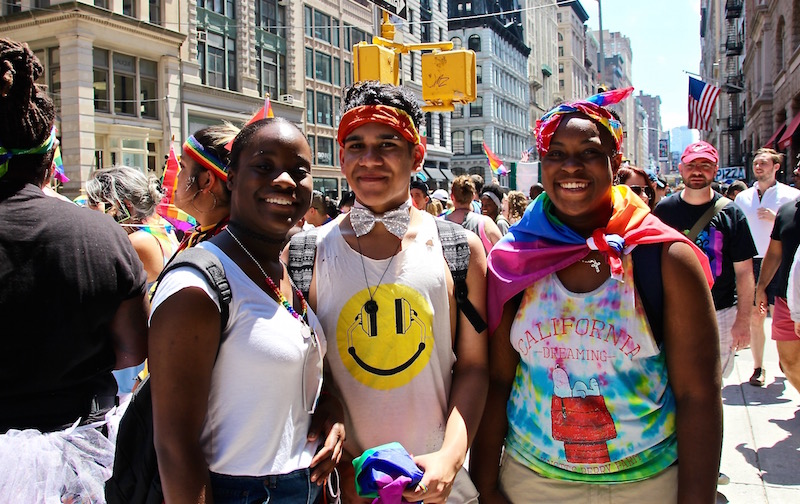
(265, 112)
(384, 472)
(540, 244)
(166, 208)
(498, 168)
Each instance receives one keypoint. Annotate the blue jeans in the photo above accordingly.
(295, 487)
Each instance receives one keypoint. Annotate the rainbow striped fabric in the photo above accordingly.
(166, 208)
(498, 168)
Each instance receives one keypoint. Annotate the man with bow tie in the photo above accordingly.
(405, 363)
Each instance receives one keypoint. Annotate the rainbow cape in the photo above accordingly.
(498, 168)
(166, 208)
(265, 112)
(539, 244)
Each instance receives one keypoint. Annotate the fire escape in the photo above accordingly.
(734, 79)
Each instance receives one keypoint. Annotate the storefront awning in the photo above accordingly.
(448, 175)
(786, 138)
(433, 173)
(775, 136)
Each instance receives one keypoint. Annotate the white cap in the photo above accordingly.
(441, 195)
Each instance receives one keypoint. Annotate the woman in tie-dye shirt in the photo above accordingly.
(586, 398)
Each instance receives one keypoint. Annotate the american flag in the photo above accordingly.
(702, 97)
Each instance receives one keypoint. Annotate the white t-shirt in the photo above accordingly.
(257, 423)
(775, 196)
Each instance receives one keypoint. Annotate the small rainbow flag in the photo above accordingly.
(166, 208)
(58, 165)
(498, 168)
(265, 112)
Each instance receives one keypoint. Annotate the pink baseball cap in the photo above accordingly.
(700, 150)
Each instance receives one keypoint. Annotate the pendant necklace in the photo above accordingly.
(275, 290)
(371, 306)
(593, 263)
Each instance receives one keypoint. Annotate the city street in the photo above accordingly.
(762, 434)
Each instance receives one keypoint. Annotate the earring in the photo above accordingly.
(213, 205)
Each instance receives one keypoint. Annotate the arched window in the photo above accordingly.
(476, 141)
(474, 43)
(457, 44)
(478, 170)
(458, 143)
(780, 45)
(458, 171)
(560, 37)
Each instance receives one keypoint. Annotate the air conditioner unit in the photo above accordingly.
(283, 2)
(201, 36)
(286, 98)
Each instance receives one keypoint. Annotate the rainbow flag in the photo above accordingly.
(498, 168)
(58, 164)
(265, 112)
(166, 208)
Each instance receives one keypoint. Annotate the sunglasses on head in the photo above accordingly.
(646, 190)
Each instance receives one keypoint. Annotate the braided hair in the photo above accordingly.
(28, 112)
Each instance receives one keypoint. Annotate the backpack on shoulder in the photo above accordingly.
(455, 249)
(135, 479)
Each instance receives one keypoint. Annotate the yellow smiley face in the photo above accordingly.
(386, 340)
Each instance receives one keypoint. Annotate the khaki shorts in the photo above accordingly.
(522, 485)
(725, 319)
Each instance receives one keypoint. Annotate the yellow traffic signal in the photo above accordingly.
(448, 77)
(374, 62)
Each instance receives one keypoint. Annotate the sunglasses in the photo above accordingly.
(312, 370)
(646, 190)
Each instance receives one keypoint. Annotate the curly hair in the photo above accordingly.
(27, 112)
(377, 93)
(517, 202)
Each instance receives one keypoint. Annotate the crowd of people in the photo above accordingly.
(564, 345)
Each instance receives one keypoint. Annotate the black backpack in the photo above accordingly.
(455, 249)
(135, 479)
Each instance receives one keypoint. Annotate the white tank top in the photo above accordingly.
(392, 367)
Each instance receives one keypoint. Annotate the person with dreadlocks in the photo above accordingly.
(72, 302)
(589, 395)
(201, 189)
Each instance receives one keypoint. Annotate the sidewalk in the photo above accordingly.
(761, 443)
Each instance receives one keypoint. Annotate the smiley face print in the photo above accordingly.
(385, 341)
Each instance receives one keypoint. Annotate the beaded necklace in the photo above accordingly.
(275, 290)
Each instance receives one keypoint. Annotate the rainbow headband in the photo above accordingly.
(207, 160)
(397, 119)
(592, 107)
(44, 147)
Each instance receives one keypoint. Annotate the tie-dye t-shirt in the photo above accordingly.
(590, 401)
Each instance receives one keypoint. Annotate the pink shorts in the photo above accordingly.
(782, 325)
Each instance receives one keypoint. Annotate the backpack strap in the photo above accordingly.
(650, 285)
(211, 268)
(302, 254)
(704, 219)
(455, 249)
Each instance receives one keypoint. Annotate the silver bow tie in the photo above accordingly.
(396, 221)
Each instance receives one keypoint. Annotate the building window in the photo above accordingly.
(780, 45)
(429, 127)
(309, 54)
(224, 7)
(411, 65)
(476, 142)
(101, 82)
(560, 83)
(148, 88)
(457, 44)
(271, 17)
(128, 8)
(458, 111)
(442, 141)
(310, 108)
(337, 71)
(124, 83)
(348, 73)
(558, 17)
(561, 68)
(560, 37)
(322, 65)
(458, 143)
(425, 31)
(308, 20)
(313, 144)
(335, 32)
(476, 107)
(272, 75)
(12, 6)
(322, 26)
(217, 57)
(346, 33)
(325, 151)
(474, 43)
(478, 74)
(324, 109)
(155, 11)
(560, 51)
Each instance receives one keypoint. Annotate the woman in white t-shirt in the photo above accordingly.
(232, 408)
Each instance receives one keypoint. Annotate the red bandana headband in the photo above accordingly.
(397, 119)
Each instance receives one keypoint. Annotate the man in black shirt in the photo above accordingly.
(783, 244)
(726, 240)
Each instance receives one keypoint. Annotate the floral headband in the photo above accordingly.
(594, 107)
(207, 160)
(394, 117)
